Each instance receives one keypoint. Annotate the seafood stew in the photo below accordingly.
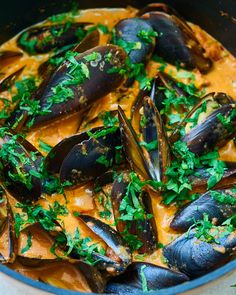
(117, 151)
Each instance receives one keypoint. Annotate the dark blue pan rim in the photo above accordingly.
(213, 276)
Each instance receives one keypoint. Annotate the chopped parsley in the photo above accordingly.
(31, 214)
(206, 231)
(143, 279)
(28, 245)
(147, 36)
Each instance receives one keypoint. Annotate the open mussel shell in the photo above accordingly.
(90, 40)
(161, 82)
(153, 131)
(217, 211)
(207, 105)
(127, 31)
(90, 158)
(122, 258)
(9, 81)
(195, 257)
(108, 60)
(212, 131)
(19, 169)
(43, 39)
(73, 274)
(144, 229)
(199, 181)
(176, 41)
(7, 231)
(157, 277)
(132, 150)
(8, 57)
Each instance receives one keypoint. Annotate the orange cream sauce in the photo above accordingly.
(222, 77)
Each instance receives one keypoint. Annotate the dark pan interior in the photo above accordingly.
(218, 17)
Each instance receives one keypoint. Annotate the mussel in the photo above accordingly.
(78, 82)
(196, 257)
(7, 231)
(214, 131)
(117, 256)
(132, 217)
(152, 162)
(218, 205)
(176, 42)
(205, 107)
(19, 170)
(129, 34)
(90, 40)
(84, 156)
(46, 38)
(146, 277)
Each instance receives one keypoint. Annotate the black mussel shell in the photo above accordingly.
(195, 257)
(132, 150)
(213, 132)
(7, 231)
(8, 57)
(109, 59)
(9, 81)
(57, 154)
(90, 158)
(144, 230)
(19, 168)
(176, 42)
(114, 241)
(217, 211)
(127, 35)
(156, 278)
(44, 39)
(153, 131)
(207, 105)
(90, 40)
(201, 177)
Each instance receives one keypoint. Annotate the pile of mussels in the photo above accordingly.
(114, 156)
